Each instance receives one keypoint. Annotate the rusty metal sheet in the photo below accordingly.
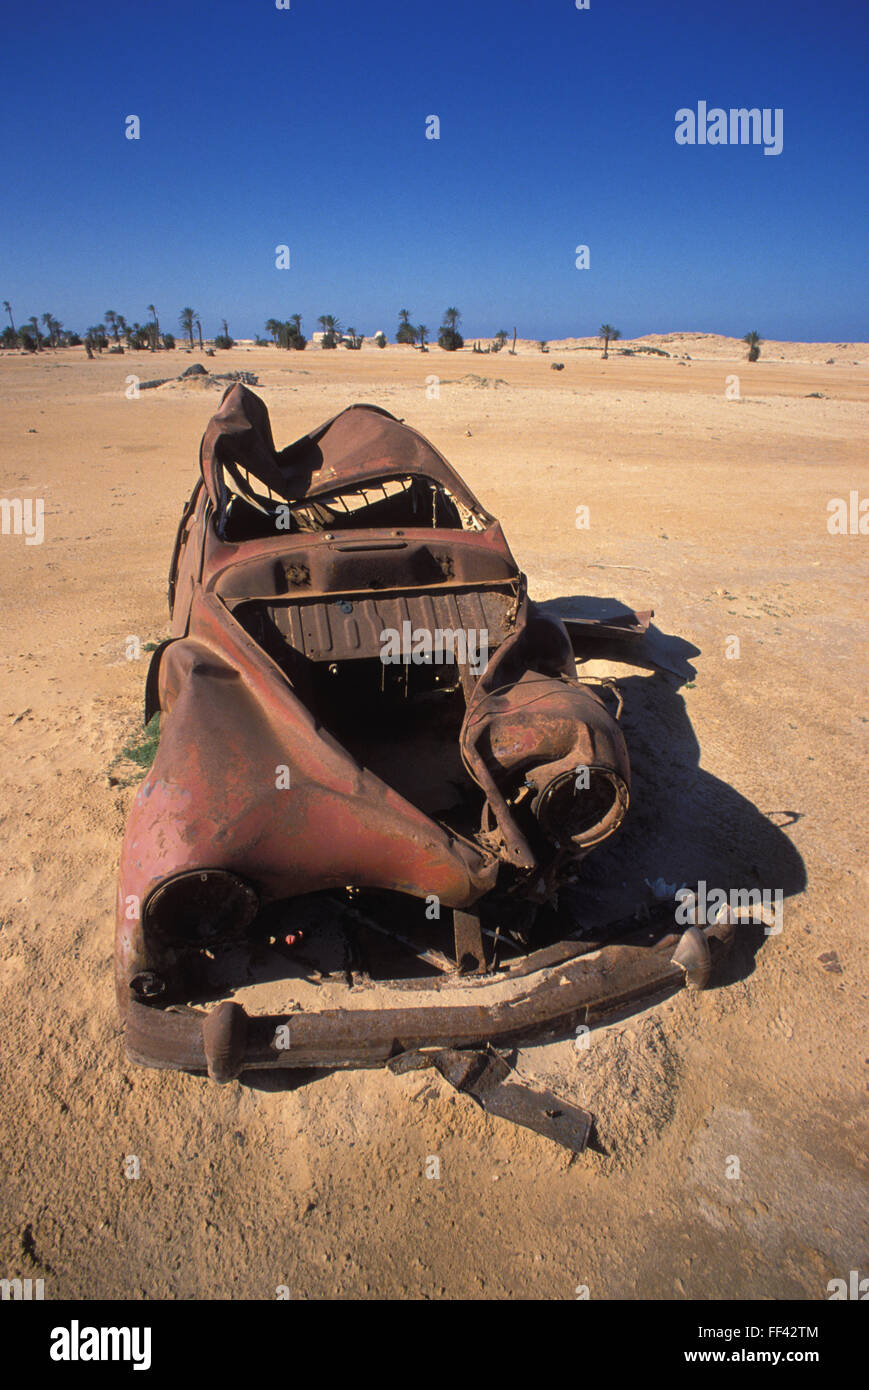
(351, 629)
(489, 1080)
(470, 951)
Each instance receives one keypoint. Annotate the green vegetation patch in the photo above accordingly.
(143, 751)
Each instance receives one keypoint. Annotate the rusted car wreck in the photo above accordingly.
(359, 701)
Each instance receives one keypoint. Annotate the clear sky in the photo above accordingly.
(306, 127)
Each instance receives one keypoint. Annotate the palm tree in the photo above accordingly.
(114, 324)
(422, 334)
(331, 328)
(155, 332)
(48, 320)
(199, 331)
(33, 324)
(449, 336)
(609, 335)
(406, 333)
(186, 319)
(754, 341)
(290, 333)
(8, 307)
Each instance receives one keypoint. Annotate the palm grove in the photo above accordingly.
(115, 333)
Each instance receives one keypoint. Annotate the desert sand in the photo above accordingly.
(711, 510)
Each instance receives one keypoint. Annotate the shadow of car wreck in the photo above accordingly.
(685, 826)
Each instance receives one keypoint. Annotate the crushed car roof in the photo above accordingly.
(361, 442)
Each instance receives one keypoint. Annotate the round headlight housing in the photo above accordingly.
(202, 907)
(583, 814)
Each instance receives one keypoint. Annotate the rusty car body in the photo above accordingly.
(469, 773)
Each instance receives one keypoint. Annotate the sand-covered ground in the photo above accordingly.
(712, 510)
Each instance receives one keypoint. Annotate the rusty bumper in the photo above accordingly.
(550, 993)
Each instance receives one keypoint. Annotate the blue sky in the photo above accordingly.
(307, 127)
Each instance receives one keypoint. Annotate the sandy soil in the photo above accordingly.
(711, 510)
